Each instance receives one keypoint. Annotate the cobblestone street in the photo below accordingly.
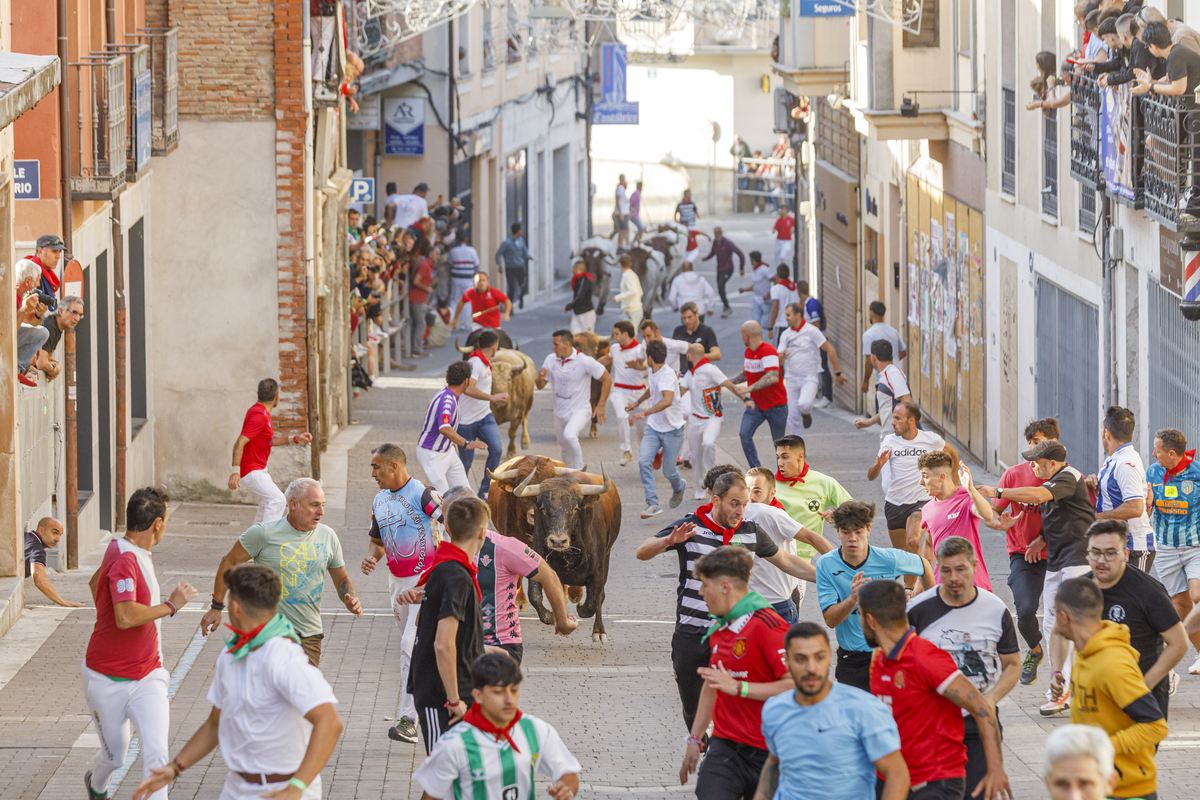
(615, 704)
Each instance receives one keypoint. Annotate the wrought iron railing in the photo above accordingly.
(1172, 193)
(1008, 167)
(1085, 131)
(138, 125)
(99, 91)
(1050, 162)
(1087, 209)
(164, 88)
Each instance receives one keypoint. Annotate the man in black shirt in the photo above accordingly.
(1066, 514)
(450, 624)
(583, 311)
(1183, 64)
(710, 526)
(49, 531)
(1139, 602)
(693, 330)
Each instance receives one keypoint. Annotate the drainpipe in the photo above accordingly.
(451, 96)
(64, 162)
(310, 323)
(120, 313)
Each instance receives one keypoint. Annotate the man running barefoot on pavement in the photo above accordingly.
(745, 668)
(570, 373)
(124, 680)
(273, 713)
(300, 550)
(493, 752)
(252, 450)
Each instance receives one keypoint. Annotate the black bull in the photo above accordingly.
(506, 341)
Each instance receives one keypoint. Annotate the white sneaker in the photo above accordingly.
(1057, 706)
(1173, 676)
(1194, 669)
(626, 457)
(821, 402)
(700, 496)
(651, 511)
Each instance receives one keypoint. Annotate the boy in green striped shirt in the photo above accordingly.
(492, 753)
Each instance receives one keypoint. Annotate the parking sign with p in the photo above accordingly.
(362, 190)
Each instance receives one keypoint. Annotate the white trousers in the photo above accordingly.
(442, 470)
(783, 252)
(1054, 579)
(635, 314)
(619, 399)
(691, 255)
(116, 704)
(702, 436)
(238, 788)
(583, 322)
(271, 503)
(568, 431)
(801, 392)
(685, 452)
(406, 618)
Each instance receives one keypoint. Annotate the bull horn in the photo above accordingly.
(525, 490)
(502, 475)
(516, 369)
(563, 471)
(462, 349)
(592, 488)
(604, 339)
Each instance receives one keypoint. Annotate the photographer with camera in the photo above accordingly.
(31, 307)
(47, 256)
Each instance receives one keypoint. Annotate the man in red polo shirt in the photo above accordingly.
(486, 305)
(923, 687)
(252, 450)
(768, 397)
(420, 287)
(746, 669)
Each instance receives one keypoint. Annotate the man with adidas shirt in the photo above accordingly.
(701, 386)
(801, 345)
(710, 526)
(627, 357)
(493, 752)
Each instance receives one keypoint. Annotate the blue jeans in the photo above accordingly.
(487, 430)
(752, 418)
(671, 443)
(787, 610)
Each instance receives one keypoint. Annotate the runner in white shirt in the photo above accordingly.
(702, 407)
(628, 360)
(570, 374)
(475, 418)
(664, 428)
(783, 294)
(760, 285)
(651, 333)
(1121, 486)
(273, 714)
(896, 465)
(800, 347)
(890, 390)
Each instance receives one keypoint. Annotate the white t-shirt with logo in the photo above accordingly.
(671, 417)
(571, 380)
(409, 209)
(900, 475)
(471, 409)
(704, 390)
(801, 350)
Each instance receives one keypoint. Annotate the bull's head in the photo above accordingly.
(564, 507)
(502, 373)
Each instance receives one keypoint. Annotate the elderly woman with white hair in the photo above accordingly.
(300, 550)
(1078, 763)
(30, 333)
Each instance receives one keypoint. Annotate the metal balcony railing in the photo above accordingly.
(140, 84)
(164, 88)
(1050, 163)
(99, 93)
(1172, 163)
(1085, 131)
(1008, 166)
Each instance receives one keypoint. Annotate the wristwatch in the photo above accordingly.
(838, 374)
(999, 491)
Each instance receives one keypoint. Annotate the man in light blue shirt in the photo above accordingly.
(840, 574)
(513, 260)
(827, 740)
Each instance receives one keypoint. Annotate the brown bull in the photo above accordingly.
(571, 519)
(512, 372)
(595, 346)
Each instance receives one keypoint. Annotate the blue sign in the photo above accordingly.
(362, 190)
(27, 180)
(1116, 145)
(142, 120)
(404, 126)
(613, 108)
(826, 8)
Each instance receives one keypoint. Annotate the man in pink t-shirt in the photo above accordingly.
(952, 510)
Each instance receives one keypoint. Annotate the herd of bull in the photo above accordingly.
(656, 262)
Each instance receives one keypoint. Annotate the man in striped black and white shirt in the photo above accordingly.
(464, 263)
(436, 445)
(710, 526)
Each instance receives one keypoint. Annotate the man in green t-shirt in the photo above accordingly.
(806, 495)
(300, 549)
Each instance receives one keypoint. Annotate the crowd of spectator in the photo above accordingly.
(42, 316)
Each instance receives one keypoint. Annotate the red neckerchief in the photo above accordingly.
(448, 551)
(785, 283)
(776, 504)
(703, 513)
(629, 346)
(46, 273)
(479, 354)
(803, 322)
(699, 364)
(475, 718)
(792, 481)
(562, 362)
(1183, 464)
(243, 637)
(574, 278)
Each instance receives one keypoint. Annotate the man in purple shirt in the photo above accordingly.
(436, 443)
(724, 249)
(635, 209)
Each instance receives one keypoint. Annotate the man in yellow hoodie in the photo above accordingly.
(1107, 689)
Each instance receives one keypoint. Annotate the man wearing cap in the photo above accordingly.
(47, 256)
(405, 209)
(515, 264)
(1066, 512)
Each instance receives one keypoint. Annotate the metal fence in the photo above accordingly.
(390, 339)
(1173, 365)
(1087, 208)
(773, 179)
(1050, 162)
(1085, 133)
(1172, 161)
(1068, 374)
(41, 439)
(1008, 168)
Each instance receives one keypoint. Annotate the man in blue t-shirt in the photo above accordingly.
(1174, 483)
(825, 728)
(840, 574)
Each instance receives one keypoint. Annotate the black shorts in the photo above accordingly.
(854, 668)
(730, 770)
(897, 516)
(945, 789)
(516, 650)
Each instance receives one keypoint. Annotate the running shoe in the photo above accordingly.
(92, 793)
(1173, 676)
(403, 731)
(685, 464)
(651, 511)
(806, 419)
(1057, 706)
(1029, 667)
(700, 495)
(676, 498)
(626, 457)
(1194, 669)
(725, 314)
(821, 402)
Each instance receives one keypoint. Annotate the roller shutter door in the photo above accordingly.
(839, 294)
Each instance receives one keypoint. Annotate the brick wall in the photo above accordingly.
(226, 59)
(289, 211)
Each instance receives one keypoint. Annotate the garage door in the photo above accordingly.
(1068, 372)
(1174, 365)
(839, 292)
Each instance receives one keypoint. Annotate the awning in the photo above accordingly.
(24, 80)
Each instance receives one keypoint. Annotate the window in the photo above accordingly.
(1087, 209)
(462, 40)
(1050, 163)
(927, 34)
(1008, 168)
(871, 251)
(966, 43)
(137, 325)
(488, 34)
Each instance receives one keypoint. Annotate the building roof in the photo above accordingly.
(24, 80)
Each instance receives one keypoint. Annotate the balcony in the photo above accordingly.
(138, 80)
(97, 90)
(1085, 131)
(1171, 164)
(164, 88)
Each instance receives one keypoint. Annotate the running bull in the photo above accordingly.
(571, 519)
